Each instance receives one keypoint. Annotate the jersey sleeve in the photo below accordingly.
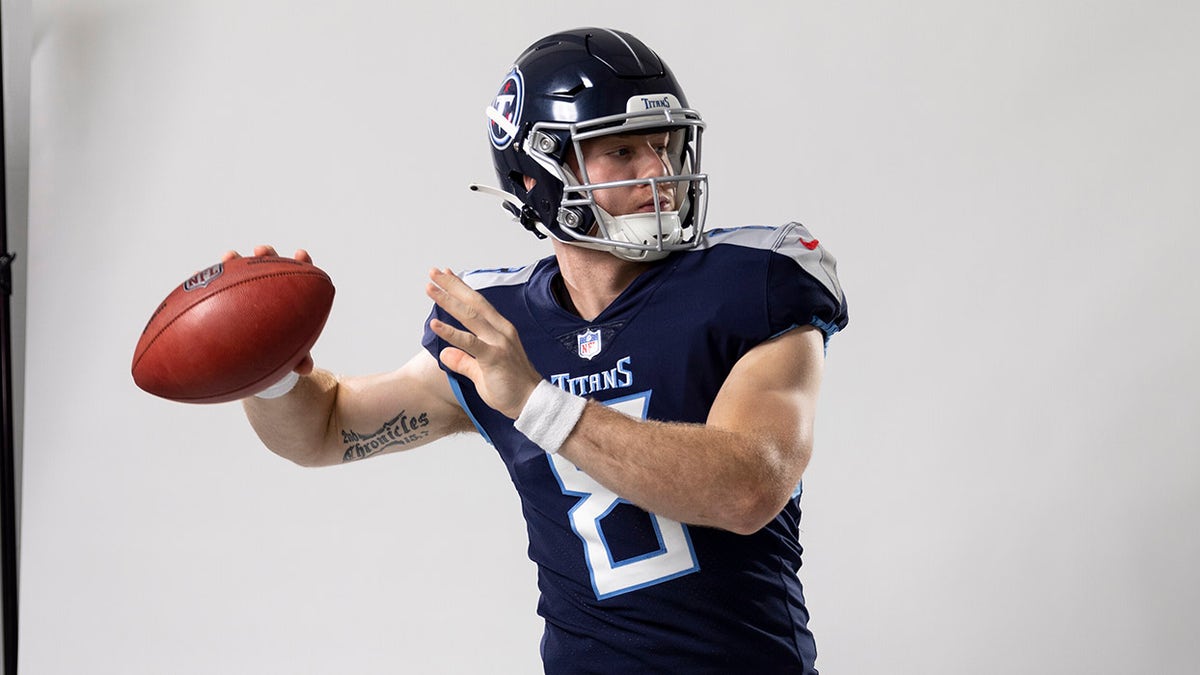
(802, 285)
(430, 341)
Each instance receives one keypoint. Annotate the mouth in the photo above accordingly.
(648, 207)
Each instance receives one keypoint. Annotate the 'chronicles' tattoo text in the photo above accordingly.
(400, 430)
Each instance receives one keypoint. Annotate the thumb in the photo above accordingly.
(460, 362)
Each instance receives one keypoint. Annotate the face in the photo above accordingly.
(626, 157)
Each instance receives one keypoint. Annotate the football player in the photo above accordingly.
(650, 386)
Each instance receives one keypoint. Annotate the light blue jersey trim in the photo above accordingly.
(827, 329)
(654, 582)
(662, 547)
(462, 403)
(644, 395)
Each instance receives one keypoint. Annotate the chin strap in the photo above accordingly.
(633, 228)
(521, 212)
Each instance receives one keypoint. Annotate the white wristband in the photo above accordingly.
(283, 386)
(549, 416)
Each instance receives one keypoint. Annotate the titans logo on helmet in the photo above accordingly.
(504, 114)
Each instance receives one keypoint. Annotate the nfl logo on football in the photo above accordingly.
(203, 278)
(589, 343)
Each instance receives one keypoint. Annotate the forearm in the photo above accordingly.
(297, 426)
(692, 473)
(328, 420)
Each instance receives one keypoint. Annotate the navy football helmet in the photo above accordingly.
(578, 85)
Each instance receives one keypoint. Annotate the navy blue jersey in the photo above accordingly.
(623, 590)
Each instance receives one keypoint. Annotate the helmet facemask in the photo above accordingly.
(642, 236)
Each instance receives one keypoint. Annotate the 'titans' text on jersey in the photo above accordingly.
(617, 377)
(661, 351)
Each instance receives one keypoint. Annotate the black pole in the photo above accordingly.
(8, 483)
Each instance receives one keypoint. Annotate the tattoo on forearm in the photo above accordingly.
(400, 430)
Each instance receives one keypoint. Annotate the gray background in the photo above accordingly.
(1005, 477)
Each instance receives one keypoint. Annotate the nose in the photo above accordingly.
(651, 164)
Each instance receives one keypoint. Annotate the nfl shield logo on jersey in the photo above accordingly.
(589, 343)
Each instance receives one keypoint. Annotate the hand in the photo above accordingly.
(489, 351)
(305, 365)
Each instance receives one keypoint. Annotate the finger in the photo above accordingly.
(303, 256)
(305, 366)
(465, 304)
(230, 255)
(476, 326)
(265, 250)
(462, 339)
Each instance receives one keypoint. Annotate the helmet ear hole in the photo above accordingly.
(522, 185)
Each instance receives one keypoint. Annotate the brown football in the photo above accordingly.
(232, 330)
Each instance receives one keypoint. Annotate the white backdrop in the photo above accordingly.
(1006, 474)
